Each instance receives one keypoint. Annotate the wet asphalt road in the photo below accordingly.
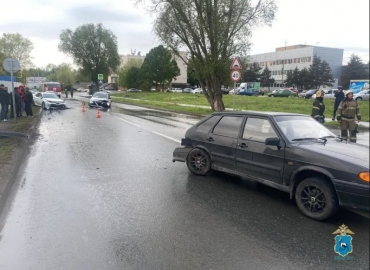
(104, 194)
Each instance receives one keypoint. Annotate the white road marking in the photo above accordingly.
(165, 136)
(128, 122)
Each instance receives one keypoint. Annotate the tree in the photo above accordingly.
(159, 67)
(123, 72)
(304, 79)
(320, 73)
(355, 70)
(251, 73)
(266, 79)
(212, 32)
(93, 48)
(292, 78)
(134, 77)
(65, 76)
(18, 47)
(2, 58)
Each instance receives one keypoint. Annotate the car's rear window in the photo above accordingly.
(229, 126)
(208, 124)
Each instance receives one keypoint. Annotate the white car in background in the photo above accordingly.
(363, 95)
(48, 101)
(197, 91)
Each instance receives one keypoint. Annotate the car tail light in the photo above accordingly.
(364, 176)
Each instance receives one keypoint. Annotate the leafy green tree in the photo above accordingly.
(266, 78)
(18, 47)
(134, 77)
(355, 70)
(2, 58)
(123, 72)
(304, 79)
(212, 32)
(93, 48)
(65, 76)
(292, 78)
(159, 67)
(252, 73)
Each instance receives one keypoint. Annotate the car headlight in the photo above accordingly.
(364, 176)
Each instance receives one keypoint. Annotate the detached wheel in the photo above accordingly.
(199, 162)
(316, 198)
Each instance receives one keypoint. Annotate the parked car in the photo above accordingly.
(101, 99)
(363, 95)
(133, 90)
(282, 93)
(302, 94)
(236, 91)
(176, 90)
(310, 93)
(247, 92)
(187, 90)
(48, 101)
(289, 152)
(197, 91)
(260, 92)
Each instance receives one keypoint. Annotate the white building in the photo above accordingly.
(300, 56)
(178, 82)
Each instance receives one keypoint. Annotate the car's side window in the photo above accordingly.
(228, 126)
(38, 95)
(208, 124)
(258, 129)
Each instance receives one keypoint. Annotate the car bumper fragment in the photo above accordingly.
(181, 153)
(352, 195)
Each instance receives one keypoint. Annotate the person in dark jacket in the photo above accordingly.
(4, 102)
(318, 108)
(28, 100)
(17, 103)
(339, 97)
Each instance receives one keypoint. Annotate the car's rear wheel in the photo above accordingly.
(316, 198)
(199, 162)
(358, 99)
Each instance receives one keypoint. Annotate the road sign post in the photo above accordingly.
(235, 75)
(12, 65)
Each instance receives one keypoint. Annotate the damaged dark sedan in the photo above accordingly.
(101, 100)
(290, 152)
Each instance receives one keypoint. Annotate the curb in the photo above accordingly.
(24, 148)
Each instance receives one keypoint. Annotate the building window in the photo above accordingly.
(309, 59)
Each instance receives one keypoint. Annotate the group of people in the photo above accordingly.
(23, 102)
(346, 109)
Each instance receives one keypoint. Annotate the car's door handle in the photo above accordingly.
(242, 145)
(210, 139)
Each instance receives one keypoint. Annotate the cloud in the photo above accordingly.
(99, 13)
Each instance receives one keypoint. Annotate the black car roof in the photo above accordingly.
(256, 113)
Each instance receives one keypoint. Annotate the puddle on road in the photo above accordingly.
(156, 116)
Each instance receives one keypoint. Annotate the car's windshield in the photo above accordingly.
(50, 96)
(311, 92)
(302, 127)
(100, 95)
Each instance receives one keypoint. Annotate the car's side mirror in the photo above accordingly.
(272, 141)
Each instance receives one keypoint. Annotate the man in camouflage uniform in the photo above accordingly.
(318, 108)
(347, 111)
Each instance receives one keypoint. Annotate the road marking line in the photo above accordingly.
(128, 122)
(165, 136)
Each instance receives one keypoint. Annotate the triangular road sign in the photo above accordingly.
(236, 64)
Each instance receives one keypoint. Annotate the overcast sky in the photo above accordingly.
(333, 23)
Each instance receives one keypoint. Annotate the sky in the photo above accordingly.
(328, 23)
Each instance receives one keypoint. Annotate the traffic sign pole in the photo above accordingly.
(234, 97)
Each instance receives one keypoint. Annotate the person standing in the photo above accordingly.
(348, 109)
(318, 108)
(28, 100)
(339, 97)
(4, 102)
(22, 94)
(72, 92)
